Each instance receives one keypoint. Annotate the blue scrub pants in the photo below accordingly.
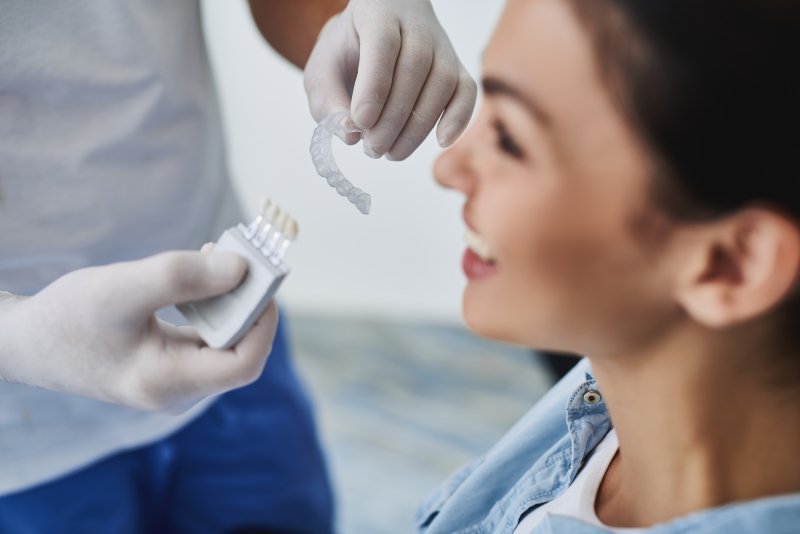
(250, 463)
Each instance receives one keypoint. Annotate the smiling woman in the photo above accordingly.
(628, 189)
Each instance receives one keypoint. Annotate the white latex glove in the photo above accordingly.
(396, 60)
(92, 332)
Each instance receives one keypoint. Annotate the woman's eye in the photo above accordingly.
(506, 142)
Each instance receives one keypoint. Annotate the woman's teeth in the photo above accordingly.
(478, 245)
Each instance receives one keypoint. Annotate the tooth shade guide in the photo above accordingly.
(281, 251)
(271, 232)
(292, 230)
(278, 230)
(267, 227)
(222, 320)
(253, 228)
(289, 235)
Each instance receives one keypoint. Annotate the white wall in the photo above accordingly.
(403, 260)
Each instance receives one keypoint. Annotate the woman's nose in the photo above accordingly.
(451, 169)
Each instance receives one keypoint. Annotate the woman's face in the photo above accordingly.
(557, 198)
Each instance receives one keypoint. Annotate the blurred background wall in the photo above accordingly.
(401, 261)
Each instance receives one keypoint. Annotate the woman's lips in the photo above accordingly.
(475, 268)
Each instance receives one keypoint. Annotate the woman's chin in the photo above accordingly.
(486, 320)
(489, 318)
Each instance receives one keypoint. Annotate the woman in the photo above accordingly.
(628, 190)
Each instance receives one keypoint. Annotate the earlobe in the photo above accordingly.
(740, 268)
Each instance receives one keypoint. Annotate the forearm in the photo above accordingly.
(291, 26)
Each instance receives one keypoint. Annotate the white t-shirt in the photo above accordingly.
(579, 498)
(110, 149)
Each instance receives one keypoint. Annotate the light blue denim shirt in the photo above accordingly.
(539, 458)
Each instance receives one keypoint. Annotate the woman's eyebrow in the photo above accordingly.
(495, 86)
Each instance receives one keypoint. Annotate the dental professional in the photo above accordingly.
(112, 169)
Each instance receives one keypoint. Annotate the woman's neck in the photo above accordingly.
(695, 429)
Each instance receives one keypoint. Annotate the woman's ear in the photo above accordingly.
(740, 267)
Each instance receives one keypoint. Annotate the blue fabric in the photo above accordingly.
(538, 459)
(250, 463)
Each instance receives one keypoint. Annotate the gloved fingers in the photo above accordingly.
(436, 94)
(248, 357)
(326, 78)
(185, 370)
(176, 277)
(379, 47)
(162, 374)
(458, 111)
(334, 99)
(253, 347)
(258, 341)
(325, 88)
(413, 67)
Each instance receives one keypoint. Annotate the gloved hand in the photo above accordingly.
(396, 60)
(92, 332)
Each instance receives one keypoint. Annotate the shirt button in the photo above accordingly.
(592, 397)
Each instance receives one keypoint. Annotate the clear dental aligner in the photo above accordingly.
(322, 156)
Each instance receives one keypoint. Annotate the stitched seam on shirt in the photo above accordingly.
(486, 525)
(571, 424)
(543, 496)
(428, 513)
